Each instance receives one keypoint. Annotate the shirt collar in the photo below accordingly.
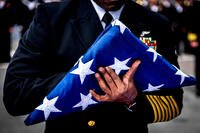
(100, 11)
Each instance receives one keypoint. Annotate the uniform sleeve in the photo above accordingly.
(165, 104)
(28, 77)
(160, 106)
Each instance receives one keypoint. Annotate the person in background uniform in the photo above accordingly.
(168, 9)
(5, 26)
(20, 14)
(63, 31)
(193, 36)
(31, 5)
(24, 11)
(153, 5)
(182, 7)
(144, 3)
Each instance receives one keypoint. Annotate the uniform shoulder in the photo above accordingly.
(55, 8)
(144, 14)
(157, 17)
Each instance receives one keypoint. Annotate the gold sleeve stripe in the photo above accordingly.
(162, 108)
(154, 109)
(158, 108)
(168, 106)
(165, 107)
(173, 109)
(175, 104)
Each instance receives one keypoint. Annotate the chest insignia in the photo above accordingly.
(145, 38)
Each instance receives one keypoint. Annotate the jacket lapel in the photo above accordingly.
(87, 25)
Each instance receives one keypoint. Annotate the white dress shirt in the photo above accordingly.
(100, 12)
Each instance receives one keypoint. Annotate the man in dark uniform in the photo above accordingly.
(59, 34)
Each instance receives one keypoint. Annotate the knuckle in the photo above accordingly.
(115, 77)
(109, 80)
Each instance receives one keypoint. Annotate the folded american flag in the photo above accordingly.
(118, 48)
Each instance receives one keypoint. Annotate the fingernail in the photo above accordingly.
(138, 62)
(107, 68)
(101, 69)
(96, 75)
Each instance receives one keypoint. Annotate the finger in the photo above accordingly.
(99, 98)
(95, 95)
(116, 79)
(107, 78)
(102, 84)
(129, 74)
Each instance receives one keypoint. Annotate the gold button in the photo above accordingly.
(91, 123)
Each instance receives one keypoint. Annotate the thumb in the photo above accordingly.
(129, 74)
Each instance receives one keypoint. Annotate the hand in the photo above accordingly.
(116, 89)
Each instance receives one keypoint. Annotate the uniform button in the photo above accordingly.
(91, 123)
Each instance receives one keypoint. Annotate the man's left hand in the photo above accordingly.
(116, 89)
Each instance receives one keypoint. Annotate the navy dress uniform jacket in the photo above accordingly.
(58, 35)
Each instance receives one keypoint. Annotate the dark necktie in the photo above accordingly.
(107, 18)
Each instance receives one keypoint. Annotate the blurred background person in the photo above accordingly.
(193, 37)
(5, 27)
(184, 18)
(142, 2)
(169, 9)
(20, 14)
(24, 10)
(182, 7)
(12, 13)
(153, 5)
(15, 13)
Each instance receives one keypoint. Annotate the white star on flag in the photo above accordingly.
(83, 70)
(155, 54)
(48, 106)
(119, 65)
(85, 101)
(153, 88)
(120, 24)
(183, 75)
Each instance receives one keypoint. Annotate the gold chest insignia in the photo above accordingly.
(145, 38)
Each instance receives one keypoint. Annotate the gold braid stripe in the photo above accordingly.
(175, 104)
(168, 106)
(165, 107)
(158, 109)
(154, 109)
(162, 109)
(173, 109)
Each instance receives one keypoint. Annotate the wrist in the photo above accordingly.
(131, 107)
(131, 104)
